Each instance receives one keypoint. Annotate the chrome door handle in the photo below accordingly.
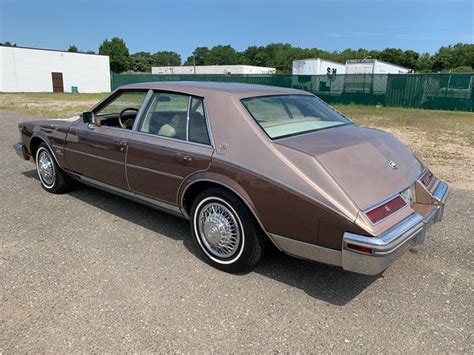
(185, 157)
(121, 143)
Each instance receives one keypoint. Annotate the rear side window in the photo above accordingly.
(176, 116)
(167, 116)
(197, 122)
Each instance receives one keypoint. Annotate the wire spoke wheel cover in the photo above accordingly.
(219, 230)
(45, 167)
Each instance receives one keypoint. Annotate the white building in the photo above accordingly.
(373, 66)
(212, 69)
(317, 66)
(44, 70)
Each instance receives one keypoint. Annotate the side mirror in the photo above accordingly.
(88, 117)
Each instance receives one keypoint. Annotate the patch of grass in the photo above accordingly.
(49, 105)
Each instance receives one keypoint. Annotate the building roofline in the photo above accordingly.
(51, 50)
(212, 65)
(326, 60)
(373, 61)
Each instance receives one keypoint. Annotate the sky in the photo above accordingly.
(181, 26)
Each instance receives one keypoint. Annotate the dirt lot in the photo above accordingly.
(91, 272)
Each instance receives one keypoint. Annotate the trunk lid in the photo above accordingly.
(368, 164)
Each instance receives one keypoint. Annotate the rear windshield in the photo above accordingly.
(289, 115)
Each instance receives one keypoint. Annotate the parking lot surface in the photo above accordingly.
(89, 271)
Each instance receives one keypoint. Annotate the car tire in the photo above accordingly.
(53, 179)
(225, 231)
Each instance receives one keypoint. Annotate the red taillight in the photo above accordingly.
(386, 209)
(426, 179)
(365, 250)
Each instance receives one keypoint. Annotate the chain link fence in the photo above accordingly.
(430, 91)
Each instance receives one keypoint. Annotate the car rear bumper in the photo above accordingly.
(21, 151)
(388, 247)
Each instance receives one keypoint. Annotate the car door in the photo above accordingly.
(171, 142)
(97, 151)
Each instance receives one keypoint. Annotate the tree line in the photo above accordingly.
(454, 58)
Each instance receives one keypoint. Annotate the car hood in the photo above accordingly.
(361, 161)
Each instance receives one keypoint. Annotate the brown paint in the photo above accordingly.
(312, 187)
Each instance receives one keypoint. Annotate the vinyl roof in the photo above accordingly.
(208, 88)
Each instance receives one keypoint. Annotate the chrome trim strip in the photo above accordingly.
(441, 192)
(141, 111)
(308, 251)
(129, 194)
(154, 171)
(208, 123)
(173, 139)
(187, 118)
(94, 156)
(390, 239)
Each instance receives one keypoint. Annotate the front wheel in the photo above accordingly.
(52, 178)
(225, 231)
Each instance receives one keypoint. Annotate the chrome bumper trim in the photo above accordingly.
(308, 251)
(393, 243)
(21, 151)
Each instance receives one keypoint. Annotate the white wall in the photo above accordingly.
(29, 70)
(374, 67)
(213, 69)
(317, 66)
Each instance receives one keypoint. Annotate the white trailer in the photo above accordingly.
(43, 70)
(373, 66)
(317, 66)
(212, 69)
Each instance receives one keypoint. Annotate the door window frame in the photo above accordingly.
(147, 103)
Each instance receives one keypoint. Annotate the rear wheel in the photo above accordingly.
(225, 231)
(52, 178)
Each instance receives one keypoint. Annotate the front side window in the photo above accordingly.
(289, 115)
(126, 99)
(176, 116)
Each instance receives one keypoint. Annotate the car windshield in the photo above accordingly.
(289, 115)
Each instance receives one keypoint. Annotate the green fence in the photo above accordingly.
(431, 91)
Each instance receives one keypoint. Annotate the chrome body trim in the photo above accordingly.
(130, 195)
(393, 243)
(440, 195)
(172, 139)
(307, 251)
(177, 177)
(441, 192)
(141, 111)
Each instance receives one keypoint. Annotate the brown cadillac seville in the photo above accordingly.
(248, 165)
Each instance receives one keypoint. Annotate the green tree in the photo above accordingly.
(223, 55)
(118, 52)
(141, 62)
(72, 48)
(165, 58)
(199, 56)
(8, 44)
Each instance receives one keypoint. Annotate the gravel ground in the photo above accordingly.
(91, 272)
